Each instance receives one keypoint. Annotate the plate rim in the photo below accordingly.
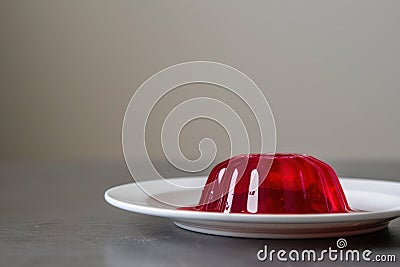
(146, 209)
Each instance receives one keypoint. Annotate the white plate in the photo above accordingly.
(380, 201)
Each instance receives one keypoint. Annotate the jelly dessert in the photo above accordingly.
(273, 184)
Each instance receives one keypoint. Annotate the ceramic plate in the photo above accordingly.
(379, 201)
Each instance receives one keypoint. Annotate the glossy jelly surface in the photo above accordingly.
(294, 184)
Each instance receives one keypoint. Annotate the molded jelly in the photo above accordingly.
(294, 184)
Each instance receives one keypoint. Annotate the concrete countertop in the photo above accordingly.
(53, 214)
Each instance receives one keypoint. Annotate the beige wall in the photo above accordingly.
(330, 69)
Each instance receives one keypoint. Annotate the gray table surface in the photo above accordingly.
(53, 214)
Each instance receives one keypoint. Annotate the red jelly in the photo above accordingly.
(294, 184)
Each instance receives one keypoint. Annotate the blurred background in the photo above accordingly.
(330, 71)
